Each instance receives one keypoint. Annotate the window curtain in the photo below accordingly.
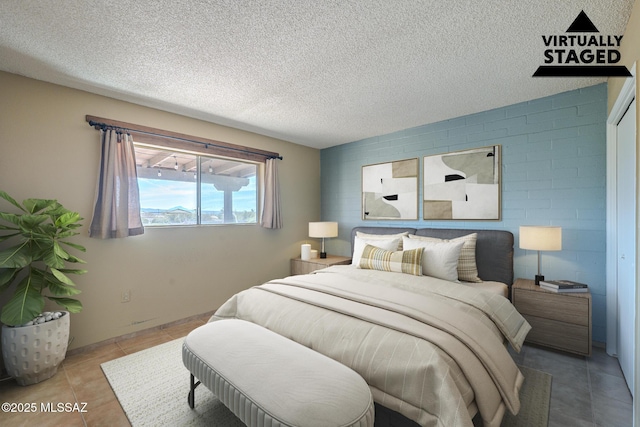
(117, 207)
(271, 215)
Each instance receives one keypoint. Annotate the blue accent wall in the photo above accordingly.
(553, 173)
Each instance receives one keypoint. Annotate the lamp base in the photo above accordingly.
(539, 278)
(324, 255)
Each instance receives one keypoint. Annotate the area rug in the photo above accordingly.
(535, 396)
(152, 387)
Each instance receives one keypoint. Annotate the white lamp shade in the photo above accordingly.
(323, 229)
(540, 238)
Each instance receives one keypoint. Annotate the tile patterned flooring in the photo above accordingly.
(585, 391)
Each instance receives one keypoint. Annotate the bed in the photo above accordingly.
(431, 347)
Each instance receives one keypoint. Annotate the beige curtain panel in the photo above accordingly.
(117, 206)
(271, 215)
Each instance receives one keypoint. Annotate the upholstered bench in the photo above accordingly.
(266, 379)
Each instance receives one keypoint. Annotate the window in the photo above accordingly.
(180, 188)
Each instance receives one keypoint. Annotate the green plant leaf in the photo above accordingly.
(60, 289)
(51, 259)
(6, 277)
(59, 251)
(25, 305)
(15, 257)
(68, 233)
(75, 246)
(45, 276)
(72, 305)
(72, 271)
(67, 219)
(42, 239)
(48, 229)
(7, 236)
(31, 222)
(56, 210)
(9, 217)
(76, 259)
(10, 199)
(36, 205)
(62, 277)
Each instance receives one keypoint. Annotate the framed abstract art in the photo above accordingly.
(390, 190)
(462, 185)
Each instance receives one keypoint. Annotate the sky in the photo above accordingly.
(165, 194)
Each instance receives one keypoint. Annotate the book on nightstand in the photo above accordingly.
(563, 286)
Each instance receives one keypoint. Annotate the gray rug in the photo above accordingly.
(535, 396)
(152, 387)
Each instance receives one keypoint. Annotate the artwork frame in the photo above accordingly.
(463, 185)
(390, 190)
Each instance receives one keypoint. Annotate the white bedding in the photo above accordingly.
(428, 348)
(489, 286)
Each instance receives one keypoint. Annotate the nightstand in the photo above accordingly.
(558, 320)
(298, 266)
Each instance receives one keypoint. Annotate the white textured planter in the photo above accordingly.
(32, 353)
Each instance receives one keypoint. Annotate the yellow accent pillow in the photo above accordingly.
(374, 258)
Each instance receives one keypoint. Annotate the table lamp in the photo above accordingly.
(540, 238)
(323, 229)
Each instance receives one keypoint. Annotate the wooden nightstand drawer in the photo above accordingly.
(299, 266)
(555, 334)
(558, 320)
(549, 305)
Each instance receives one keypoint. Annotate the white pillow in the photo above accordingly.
(381, 236)
(467, 268)
(439, 259)
(389, 242)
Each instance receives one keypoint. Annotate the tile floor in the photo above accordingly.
(80, 379)
(585, 391)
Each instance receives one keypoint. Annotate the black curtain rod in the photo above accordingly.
(119, 129)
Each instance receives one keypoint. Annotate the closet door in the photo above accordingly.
(626, 233)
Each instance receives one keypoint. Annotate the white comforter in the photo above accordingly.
(429, 349)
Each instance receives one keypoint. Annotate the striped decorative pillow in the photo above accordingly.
(467, 268)
(390, 243)
(374, 258)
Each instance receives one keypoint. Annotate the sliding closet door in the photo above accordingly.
(626, 250)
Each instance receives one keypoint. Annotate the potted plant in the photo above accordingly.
(33, 267)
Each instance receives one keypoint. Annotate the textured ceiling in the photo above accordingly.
(317, 73)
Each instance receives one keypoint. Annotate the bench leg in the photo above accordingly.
(192, 392)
